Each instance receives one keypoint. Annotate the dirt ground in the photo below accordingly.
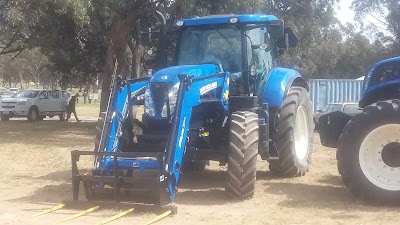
(35, 175)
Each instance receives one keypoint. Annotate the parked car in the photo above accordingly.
(13, 90)
(4, 93)
(350, 108)
(35, 105)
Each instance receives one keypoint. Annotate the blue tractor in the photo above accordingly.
(368, 146)
(225, 99)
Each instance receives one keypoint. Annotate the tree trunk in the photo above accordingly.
(116, 51)
(136, 48)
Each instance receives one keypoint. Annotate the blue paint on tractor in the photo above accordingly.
(225, 19)
(276, 86)
(170, 74)
(367, 87)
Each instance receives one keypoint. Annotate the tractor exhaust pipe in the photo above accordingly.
(163, 39)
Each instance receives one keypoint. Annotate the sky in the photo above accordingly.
(344, 13)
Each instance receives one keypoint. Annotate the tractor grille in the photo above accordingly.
(160, 92)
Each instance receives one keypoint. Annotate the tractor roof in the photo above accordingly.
(225, 19)
(395, 59)
(378, 64)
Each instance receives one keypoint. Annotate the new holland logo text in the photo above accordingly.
(182, 132)
(208, 88)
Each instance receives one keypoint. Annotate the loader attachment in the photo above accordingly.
(142, 174)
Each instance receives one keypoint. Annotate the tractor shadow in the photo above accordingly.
(195, 188)
(202, 188)
(331, 180)
(329, 195)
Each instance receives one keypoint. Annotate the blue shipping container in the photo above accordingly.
(325, 91)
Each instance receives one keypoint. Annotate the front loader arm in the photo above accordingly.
(122, 97)
(189, 96)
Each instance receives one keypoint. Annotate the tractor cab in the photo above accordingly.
(246, 46)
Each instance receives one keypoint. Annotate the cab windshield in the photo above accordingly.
(220, 46)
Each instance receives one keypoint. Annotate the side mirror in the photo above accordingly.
(319, 111)
(276, 30)
(289, 40)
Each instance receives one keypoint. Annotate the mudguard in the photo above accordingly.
(331, 126)
(277, 85)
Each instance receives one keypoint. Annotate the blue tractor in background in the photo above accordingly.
(225, 99)
(368, 146)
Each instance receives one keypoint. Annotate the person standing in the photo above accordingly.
(90, 97)
(71, 108)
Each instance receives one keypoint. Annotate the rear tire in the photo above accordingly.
(4, 117)
(368, 153)
(243, 151)
(63, 116)
(294, 129)
(33, 114)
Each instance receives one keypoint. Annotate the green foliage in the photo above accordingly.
(74, 35)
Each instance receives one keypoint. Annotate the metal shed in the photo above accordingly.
(324, 91)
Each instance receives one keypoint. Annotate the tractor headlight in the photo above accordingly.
(148, 102)
(172, 96)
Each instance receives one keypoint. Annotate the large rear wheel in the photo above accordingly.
(293, 134)
(243, 150)
(368, 153)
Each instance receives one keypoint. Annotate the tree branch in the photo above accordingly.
(17, 54)
(17, 49)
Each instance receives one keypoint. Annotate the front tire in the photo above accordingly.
(293, 134)
(368, 153)
(242, 160)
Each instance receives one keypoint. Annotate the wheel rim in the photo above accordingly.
(379, 157)
(301, 133)
(34, 115)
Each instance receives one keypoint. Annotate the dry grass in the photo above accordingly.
(36, 175)
(88, 109)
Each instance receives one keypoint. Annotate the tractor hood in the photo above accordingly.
(170, 74)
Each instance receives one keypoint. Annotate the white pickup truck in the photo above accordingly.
(35, 105)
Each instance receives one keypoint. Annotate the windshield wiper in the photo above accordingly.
(219, 32)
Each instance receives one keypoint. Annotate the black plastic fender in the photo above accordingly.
(331, 126)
